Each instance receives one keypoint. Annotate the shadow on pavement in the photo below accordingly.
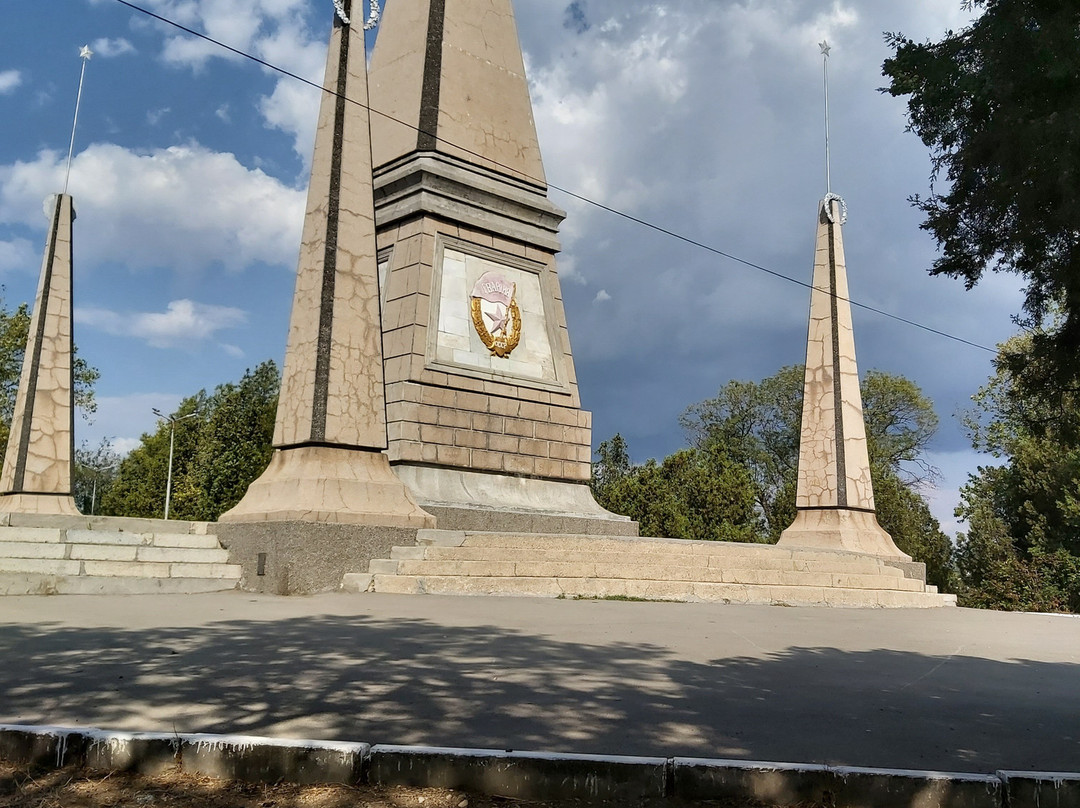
(411, 681)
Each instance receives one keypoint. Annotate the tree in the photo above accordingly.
(758, 424)
(95, 471)
(1022, 547)
(217, 453)
(738, 480)
(998, 105)
(693, 494)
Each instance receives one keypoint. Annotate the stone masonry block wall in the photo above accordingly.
(438, 417)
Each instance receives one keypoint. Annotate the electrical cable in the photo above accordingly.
(572, 194)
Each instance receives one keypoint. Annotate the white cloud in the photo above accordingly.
(154, 116)
(273, 30)
(184, 208)
(17, 254)
(183, 324)
(601, 296)
(9, 81)
(110, 48)
(222, 113)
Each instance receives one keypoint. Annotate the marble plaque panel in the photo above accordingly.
(504, 333)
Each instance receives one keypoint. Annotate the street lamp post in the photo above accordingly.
(97, 471)
(172, 419)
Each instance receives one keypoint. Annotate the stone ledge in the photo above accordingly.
(599, 779)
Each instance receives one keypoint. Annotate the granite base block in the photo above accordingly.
(303, 558)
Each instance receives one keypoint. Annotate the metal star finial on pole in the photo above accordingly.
(85, 54)
(825, 51)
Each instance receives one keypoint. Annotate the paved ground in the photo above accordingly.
(947, 689)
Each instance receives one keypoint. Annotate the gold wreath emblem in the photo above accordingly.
(501, 345)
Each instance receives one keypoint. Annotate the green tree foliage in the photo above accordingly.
(95, 471)
(14, 329)
(738, 481)
(217, 453)
(1022, 548)
(998, 105)
(757, 424)
(693, 494)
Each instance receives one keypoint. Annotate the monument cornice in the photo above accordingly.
(443, 186)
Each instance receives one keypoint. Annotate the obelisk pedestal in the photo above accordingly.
(37, 473)
(835, 495)
(329, 464)
(485, 420)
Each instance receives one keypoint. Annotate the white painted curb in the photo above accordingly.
(593, 779)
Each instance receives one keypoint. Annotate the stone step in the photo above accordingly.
(842, 564)
(41, 566)
(191, 541)
(33, 584)
(649, 546)
(655, 590)
(106, 524)
(634, 571)
(184, 555)
(28, 549)
(357, 582)
(37, 535)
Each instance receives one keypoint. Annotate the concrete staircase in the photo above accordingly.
(530, 565)
(96, 555)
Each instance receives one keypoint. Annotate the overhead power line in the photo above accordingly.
(572, 194)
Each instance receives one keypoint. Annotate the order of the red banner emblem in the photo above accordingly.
(495, 313)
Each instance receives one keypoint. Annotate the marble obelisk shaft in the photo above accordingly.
(331, 420)
(835, 494)
(37, 473)
(450, 76)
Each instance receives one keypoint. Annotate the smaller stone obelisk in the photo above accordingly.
(328, 464)
(835, 495)
(37, 474)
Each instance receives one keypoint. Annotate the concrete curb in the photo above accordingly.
(531, 775)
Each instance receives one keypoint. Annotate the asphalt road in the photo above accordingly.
(943, 689)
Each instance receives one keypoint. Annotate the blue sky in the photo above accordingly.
(702, 116)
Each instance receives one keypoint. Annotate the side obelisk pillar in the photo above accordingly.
(330, 434)
(835, 495)
(37, 473)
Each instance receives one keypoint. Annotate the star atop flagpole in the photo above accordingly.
(825, 48)
(84, 53)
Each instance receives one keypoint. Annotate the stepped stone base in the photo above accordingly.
(46, 554)
(840, 529)
(479, 563)
(58, 504)
(469, 500)
(329, 485)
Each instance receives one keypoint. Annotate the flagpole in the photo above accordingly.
(825, 48)
(85, 55)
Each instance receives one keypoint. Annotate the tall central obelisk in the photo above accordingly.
(835, 494)
(330, 434)
(485, 419)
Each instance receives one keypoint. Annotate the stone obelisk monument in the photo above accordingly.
(37, 474)
(329, 463)
(835, 495)
(485, 421)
